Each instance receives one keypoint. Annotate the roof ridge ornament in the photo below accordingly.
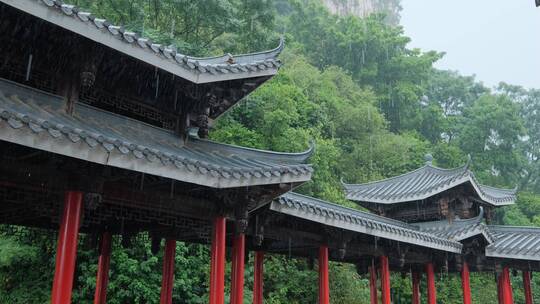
(469, 162)
(428, 159)
(480, 216)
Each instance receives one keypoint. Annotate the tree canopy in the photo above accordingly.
(374, 108)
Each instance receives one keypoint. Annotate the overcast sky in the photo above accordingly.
(497, 40)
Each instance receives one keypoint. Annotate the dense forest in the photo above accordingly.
(373, 106)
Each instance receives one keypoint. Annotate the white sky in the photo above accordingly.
(497, 40)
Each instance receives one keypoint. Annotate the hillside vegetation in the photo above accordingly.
(373, 106)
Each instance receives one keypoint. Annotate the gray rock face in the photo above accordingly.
(363, 8)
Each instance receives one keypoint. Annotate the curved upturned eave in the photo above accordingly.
(459, 229)
(462, 176)
(242, 58)
(37, 120)
(194, 69)
(283, 157)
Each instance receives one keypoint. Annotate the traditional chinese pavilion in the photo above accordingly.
(451, 204)
(103, 132)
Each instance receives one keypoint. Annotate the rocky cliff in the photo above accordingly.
(362, 8)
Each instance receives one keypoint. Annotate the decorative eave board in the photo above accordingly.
(326, 213)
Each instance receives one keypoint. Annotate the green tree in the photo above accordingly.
(491, 134)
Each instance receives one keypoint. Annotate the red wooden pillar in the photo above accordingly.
(500, 289)
(505, 287)
(415, 287)
(258, 278)
(167, 277)
(527, 287)
(385, 280)
(432, 291)
(232, 294)
(373, 285)
(237, 274)
(508, 291)
(66, 251)
(217, 267)
(324, 283)
(465, 284)
(102, 279)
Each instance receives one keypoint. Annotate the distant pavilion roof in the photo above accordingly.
(38, 120)
(458, 229)
(510, 242)
(423, 183)
(326, 213)
(195, 69)
(515, 243)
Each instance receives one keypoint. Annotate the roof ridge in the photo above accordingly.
(503, 227)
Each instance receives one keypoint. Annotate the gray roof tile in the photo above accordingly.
(326, 213)
(423, 183)
(458, 229)
(515, 243)
(36, 119)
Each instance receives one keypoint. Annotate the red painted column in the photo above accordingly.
(500, 291)
(506, 287)
(432, 291)
(66, 251)
(167, 279)
(232, 295)
(104, 261)
(465, 284)
(237, 275)
(324, 283)
(373, 285)
(258, 280)
(217, 264)
(415, 287)
(527, 287)
(385, 280)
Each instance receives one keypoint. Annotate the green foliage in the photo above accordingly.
(194, 27)
(373, 107)
(491, 132)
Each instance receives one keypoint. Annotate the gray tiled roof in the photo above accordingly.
(198, 70)
(423, 183)
(508, 242)
(515, 243)
(36, 119)
(458, 229)
(326, 213)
